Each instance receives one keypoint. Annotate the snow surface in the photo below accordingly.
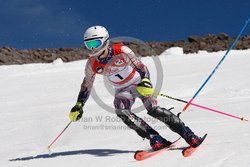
(36, 98)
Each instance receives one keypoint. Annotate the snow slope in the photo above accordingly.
(35, 100)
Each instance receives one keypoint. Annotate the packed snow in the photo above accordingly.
(36, 99)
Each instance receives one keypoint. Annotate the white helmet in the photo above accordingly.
(96, 39)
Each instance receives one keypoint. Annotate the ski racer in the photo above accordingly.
(130, 79)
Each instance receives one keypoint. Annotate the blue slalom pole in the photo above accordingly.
(236, 39)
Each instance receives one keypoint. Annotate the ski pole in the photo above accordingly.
(59, 135)
(235, 40)
(206, 108)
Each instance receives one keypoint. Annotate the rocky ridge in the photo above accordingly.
(209, 43)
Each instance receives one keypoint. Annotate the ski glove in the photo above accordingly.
(76, 112)
(145, 88)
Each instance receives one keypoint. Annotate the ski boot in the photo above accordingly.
(193, 140)
(157, 142)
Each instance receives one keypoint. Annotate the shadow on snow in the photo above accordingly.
(96, 152)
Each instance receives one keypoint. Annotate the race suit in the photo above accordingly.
(124, 71)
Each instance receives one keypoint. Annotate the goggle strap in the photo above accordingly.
(92, 39)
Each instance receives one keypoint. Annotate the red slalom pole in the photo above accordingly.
(59, 135)
(206, 108)
(219, 112)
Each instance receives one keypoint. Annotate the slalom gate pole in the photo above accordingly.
(59, 135)
(203, 107)
(236, 39)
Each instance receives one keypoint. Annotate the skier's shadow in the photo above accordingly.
(95, 152)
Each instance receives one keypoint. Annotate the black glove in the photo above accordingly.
(76, 112)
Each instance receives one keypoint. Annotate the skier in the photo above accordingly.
(131, 79)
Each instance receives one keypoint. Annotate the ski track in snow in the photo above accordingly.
(36, 99)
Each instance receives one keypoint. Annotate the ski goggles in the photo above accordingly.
(93, 44)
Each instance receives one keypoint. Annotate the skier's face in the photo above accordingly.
(104, 54)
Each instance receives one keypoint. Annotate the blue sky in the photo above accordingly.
(61, 23)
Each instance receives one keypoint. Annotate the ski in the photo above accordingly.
(144, 154)
(190, 150)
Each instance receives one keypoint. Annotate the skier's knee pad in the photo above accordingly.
(131, 120)
(125, 116)
(163, 114)
(167, 117)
